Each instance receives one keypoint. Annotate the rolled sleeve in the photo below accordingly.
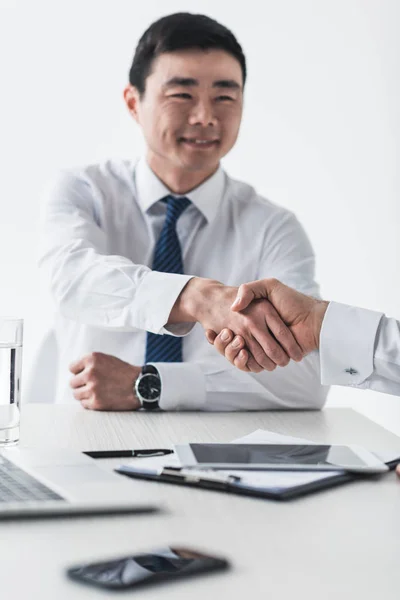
(182, 386)
(151, 314)
(347, 342)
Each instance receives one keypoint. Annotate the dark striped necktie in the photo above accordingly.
(167, 259)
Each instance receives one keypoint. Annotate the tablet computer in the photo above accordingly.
(305, 457)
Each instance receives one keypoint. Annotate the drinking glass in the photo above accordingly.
(11, 333)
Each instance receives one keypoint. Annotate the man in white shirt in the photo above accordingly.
(357, 347)
(136, 253)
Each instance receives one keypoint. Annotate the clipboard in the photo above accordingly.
(308, 482)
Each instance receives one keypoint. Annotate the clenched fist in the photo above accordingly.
(104, 382)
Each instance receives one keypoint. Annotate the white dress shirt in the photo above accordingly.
(360, 348)
(100, 225)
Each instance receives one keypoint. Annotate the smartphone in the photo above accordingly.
(156, 566)
(298, 457)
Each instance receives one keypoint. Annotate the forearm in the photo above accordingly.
(360, 348)
(108, 291)
(88, 282)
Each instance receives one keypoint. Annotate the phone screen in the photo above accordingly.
(140, 569)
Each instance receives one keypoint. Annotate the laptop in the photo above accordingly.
(47, 482)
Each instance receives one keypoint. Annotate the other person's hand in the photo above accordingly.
(258, 323)
(302, 314)
(104, 382)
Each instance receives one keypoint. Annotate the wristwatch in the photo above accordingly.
(148, 387)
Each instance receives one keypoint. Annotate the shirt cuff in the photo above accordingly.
(182, 386)
(347, 341)
(155, 299)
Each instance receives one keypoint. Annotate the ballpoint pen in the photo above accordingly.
(145, 452)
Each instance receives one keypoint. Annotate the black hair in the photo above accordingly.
(181, 31)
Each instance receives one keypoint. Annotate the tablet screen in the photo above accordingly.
(276, 454)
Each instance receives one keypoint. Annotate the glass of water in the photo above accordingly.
(11, 332)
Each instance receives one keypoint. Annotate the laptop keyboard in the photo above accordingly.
(16, 485)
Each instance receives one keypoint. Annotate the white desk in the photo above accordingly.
(342, 543)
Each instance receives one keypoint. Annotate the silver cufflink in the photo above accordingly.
(351, 371)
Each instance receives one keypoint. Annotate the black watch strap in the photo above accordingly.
(149, 369)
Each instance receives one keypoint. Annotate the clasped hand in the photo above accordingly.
(283, 322)
(252, 323)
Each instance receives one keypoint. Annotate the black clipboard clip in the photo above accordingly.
(198, 477)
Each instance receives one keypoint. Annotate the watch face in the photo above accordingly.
(149, 387)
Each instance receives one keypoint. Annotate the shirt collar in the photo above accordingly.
(206, 197)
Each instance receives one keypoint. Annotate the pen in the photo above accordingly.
(125, 453)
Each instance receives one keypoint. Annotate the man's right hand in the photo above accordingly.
(302, 314)
(259, 325)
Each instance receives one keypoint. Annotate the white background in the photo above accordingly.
(320, 133)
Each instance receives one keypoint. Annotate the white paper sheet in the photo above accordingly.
(263, 436)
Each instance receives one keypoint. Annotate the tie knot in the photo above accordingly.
(175, 207)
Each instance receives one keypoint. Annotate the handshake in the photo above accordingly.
(266, 325)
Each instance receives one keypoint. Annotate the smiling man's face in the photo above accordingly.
(191, 110)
